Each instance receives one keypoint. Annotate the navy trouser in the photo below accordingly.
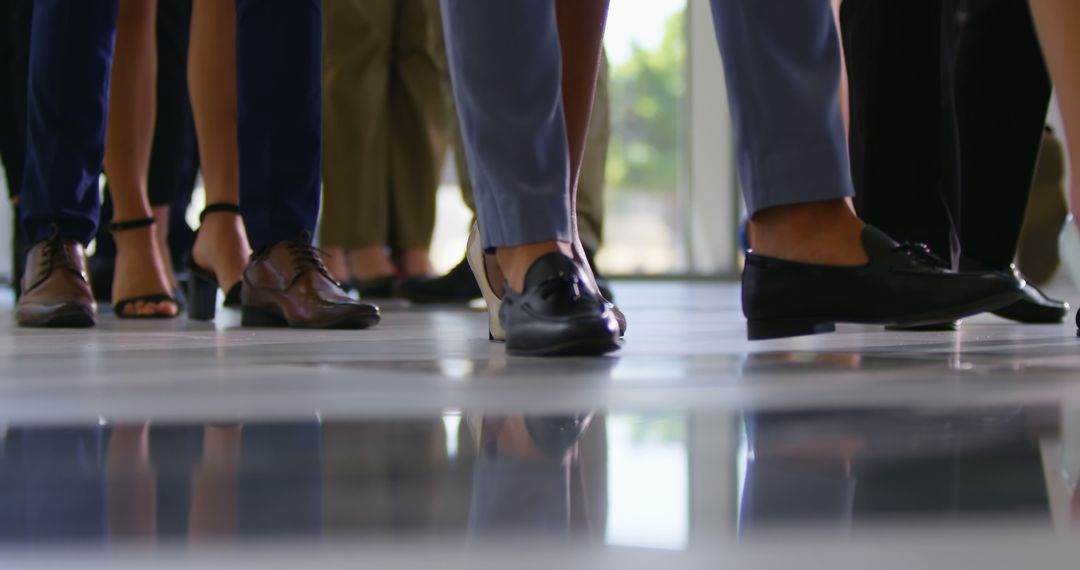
(71, 46)
(782, 64)
(279, 90)
(279, 96)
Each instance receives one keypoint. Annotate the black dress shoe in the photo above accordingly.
(557, 314)
(1034, 307)
(457, 286)
(901, 285)
(379, 288)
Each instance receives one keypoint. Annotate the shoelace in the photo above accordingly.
(56, 254)
(920, 252)
(307, 256)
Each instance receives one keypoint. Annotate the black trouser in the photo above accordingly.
(948, 103)
(174, 156)
(14, 62)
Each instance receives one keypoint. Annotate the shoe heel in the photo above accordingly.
(252, 317)
(202, 298)
(475, 256)
(764, 329)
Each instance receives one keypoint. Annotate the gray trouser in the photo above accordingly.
(782, 64)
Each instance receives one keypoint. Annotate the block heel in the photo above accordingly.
(203, 284)
(202, 297)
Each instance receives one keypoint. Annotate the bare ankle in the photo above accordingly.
(516, 261)
(416, 263)
(371, 262)
(827, 233)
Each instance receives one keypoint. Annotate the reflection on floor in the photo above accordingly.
(227, 447)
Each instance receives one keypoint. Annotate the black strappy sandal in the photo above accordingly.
(203, 283)
(119, 306)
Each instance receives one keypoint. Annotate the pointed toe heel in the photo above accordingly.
(475, 256)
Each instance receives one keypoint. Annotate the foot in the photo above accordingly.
(371, 263)
(820, 233)
(899, 284)
(55, 291)
(416, 264)
(222, 247)
(555, 313)
(140, 272)
(289, 285)
(372, 272)
(515, 262)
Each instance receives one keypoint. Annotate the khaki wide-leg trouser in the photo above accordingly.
(386, 122)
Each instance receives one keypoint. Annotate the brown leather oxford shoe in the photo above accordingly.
(288, 285)
(55, 290)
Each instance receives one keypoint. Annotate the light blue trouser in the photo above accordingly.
(782, 64)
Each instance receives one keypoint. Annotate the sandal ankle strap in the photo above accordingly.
(115, 227)
(218, 207)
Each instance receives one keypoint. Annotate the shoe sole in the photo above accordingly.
(252, 317)
(591, 347)
(766, 329)
(71, 317)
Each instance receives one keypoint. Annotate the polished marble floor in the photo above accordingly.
(420, 444)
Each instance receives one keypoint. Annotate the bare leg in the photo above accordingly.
(214, 485)
(371, 262)
(132, 485)
(140, 267)
(416, 263)
(161, 227)
(1057, 22)
(581, 35)
(222, 243)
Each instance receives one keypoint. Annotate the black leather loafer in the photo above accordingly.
(379, 288)
(901, 285)
(557, 314)
(1034, 307)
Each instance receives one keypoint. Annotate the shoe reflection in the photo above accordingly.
(845, 468)
(147, 483)
(522, 479)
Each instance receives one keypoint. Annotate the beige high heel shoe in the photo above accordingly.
(475, 256)
(474, 253)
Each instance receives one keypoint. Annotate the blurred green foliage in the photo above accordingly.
(646, 93)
